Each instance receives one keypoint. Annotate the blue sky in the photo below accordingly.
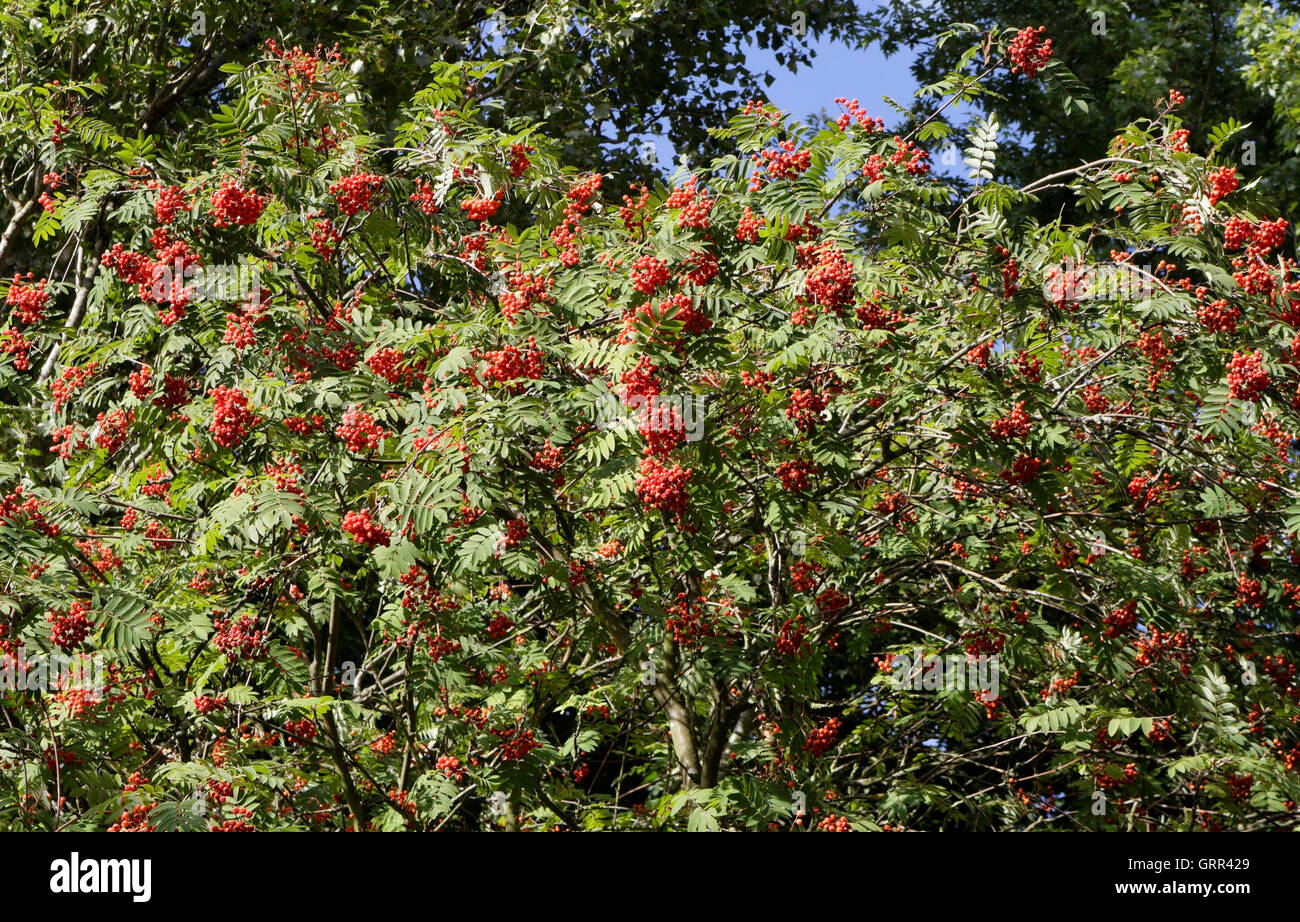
(836, 70)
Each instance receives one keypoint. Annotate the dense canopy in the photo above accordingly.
(385, 468)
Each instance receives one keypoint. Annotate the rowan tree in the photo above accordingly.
(494, 493)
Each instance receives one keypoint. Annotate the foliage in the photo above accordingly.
(360, 543)
(1230, 59)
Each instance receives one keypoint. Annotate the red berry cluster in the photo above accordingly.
(526, 290)
(857, 113)
(240, 331)
(822, 738)
(134, 819)
(1030, 366)
(113, 427)
(983, 640)
(159, 535)
(1219, 316)
(1121, 620)
(662, 427)
(912, 158)
(519, 162)
(239, 639)
(701, 268)
(170, 200)
(1280, 671)
(233, 825)
(71, 627)
(65, 440)
(141, 381)
(1148, 490)
(1109, 778)
(301, 68)
(796, 475)
(284, 474)
(1239, 786)
(765, 110)
(784, 163)
(830, 603)
(567, 232)
(875, 316)
(803, 575)
(1059, 687)
(481, 209)
(1253, 273)
(1247, 377)
(516, 744)
(205, 704)
(128, 265)
(640, 381)
(634, 213)
(511, 363)
(1223, 182)
(1237, 233)
(383, 745)
(548, 458)
(1023, 469)
(14, 343)
(392, 366)
(364, 530)
(689, 621)
(648, 273)
(303, 425)
(979, 355)
(1159, 645)
(1094, 399)
(440, 646)
(232, 204)
(830, 283)
(664, 488)
(352, 193)
(791, 640)
(424, 197)
(805, 408)
(231, 417)
(748, 227)
(1066, 286)
(1014, 425)
(1269, 235)
(834, 823)
(325, 237)
(360, 431)
(15, 511)
(1250, 593)
(450, 766)
(302, 730)
(683, 310)
(694, 203)
(28, 300)
(1028, 52)
(500, 626)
